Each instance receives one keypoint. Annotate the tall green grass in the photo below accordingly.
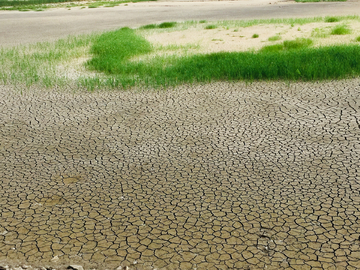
(114, 48)
(296, 63)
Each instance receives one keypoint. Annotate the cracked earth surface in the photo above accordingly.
(219, 176)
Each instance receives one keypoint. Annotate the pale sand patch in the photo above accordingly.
(240, 39)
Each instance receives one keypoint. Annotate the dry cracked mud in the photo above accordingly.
(217, 176)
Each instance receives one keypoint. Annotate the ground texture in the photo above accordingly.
(221, 176)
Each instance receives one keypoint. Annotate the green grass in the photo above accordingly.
(298, 43)
(340, 30)
(115, 47)
(210, 26)
(319, 33)
(332, 19)
(161, 25)
(124, 58)
(255, 36)
(38, 63)
(357, 39)
(295, 61)
(274, 38)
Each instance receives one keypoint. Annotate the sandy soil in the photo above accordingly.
(240, 39)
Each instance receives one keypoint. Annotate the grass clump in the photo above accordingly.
(202, 21)
(274, 38)
(161, 25)
(211, 26)
(332, 19)
(357, 39)
(167, 25)
(148, 26)
(340, 30)
(255, 36)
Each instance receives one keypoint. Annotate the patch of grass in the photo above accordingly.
(273, 48)
(319, 33)
(340, 30)
(48, 64)
(295, 61)
(167, 24)
(357, 39)
(38, 63)
(331, 19)
(161, 25)
(211, 26)
(202, 21)
(274, 38)
(255, 36)
(216, 39)
(149, 26)
(298, 43)
(111, 49)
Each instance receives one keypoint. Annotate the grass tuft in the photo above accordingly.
(210, 26)
(331, 19)
(255, 36)
(161, 25)
(274, 38)
(357, 39)
(167, 25)
(340, 30)
(202, 21)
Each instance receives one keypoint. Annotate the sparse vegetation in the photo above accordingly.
(319, 33)
(357, 39)
(255, 36)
